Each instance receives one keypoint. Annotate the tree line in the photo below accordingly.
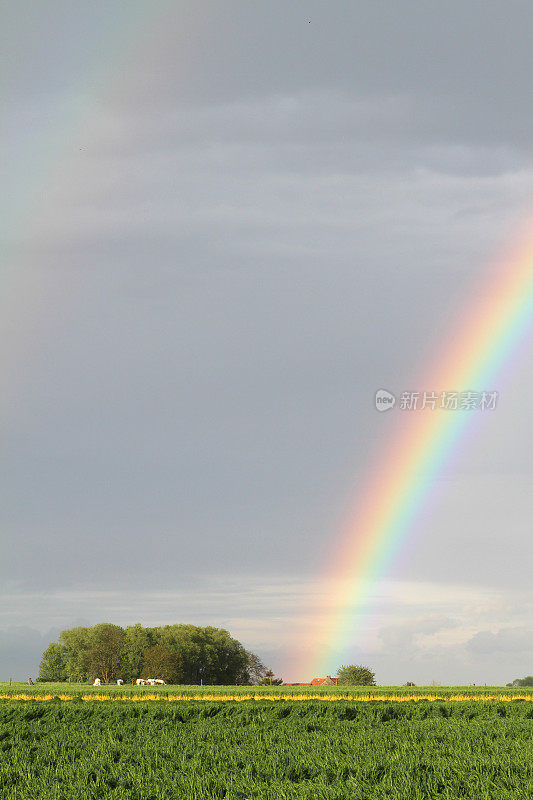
(527, 681)
(179, 654)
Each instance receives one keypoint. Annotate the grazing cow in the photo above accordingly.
(140, 682)
(120, 682)
(150, 681)
(160, 682)
(97, 682)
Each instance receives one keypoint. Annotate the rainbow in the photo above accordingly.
(402, 480)
(49, 157)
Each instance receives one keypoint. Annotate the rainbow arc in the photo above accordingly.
(403, 478)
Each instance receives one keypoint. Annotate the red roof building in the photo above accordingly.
(327, 681)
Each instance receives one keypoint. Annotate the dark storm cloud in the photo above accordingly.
(461, 69)
(21, 648)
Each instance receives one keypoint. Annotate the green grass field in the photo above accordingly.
(197, 750)
(57, 689)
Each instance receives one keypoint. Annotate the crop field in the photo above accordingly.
(476, 748)
(363, 693)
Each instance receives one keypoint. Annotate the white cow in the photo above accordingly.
(97, 682)
(140, 682)
(150, 681)
(120, 682)
(160, 682)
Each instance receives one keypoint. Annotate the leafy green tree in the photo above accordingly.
(209, 655)
(103, 658)
(53, 666)
(161, 663)
(76, 643)
(136, 641)
(355, 675)
(226, 657)
(269, 679)
(206, 655)
(253, 671)
(527, 681)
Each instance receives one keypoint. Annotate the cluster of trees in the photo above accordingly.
(184, 654)
(355, 675)
(527, 681)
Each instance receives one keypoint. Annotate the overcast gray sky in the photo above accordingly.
(223, 227)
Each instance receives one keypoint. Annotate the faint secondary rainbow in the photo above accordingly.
(495, 321)
(50, 151)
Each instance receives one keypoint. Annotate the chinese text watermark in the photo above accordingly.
(449, 401)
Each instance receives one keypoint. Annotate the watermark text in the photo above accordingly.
(431, 401)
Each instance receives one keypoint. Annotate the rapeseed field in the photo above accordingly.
(244, 745)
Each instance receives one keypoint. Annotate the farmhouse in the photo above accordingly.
(327, 681)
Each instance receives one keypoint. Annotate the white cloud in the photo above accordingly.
(428, 622)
